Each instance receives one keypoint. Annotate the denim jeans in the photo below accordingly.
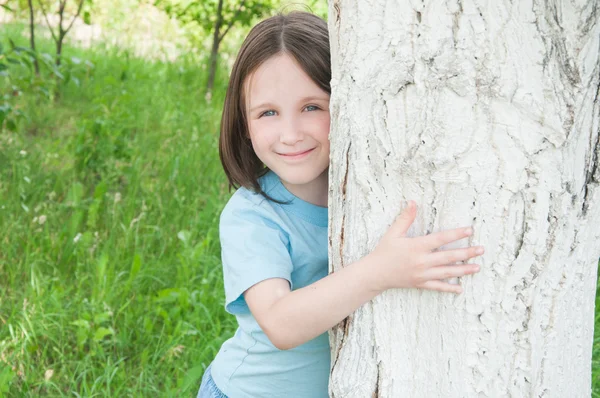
(208, 388)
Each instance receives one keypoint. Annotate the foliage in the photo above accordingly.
(8, 114)
(204, 12)
(20, 80)
(218, 16)
(318, 7)
(6, 7)
(65, 21)
(109, 202)
(16, 67)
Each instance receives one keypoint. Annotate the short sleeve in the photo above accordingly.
(253, 249)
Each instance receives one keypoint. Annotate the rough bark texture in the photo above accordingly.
(487, 114)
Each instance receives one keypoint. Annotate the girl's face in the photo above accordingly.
(288, 120)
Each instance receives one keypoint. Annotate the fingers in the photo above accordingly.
(438, 239)
(434, 276)
(450, 271)
(452, 256)
(405, 219)
(442, 287)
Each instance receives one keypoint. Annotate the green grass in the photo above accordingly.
(119, 291)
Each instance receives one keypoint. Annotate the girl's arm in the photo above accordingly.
(290, 318)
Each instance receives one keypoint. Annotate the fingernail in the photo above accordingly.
(469, 231)
(479, 250)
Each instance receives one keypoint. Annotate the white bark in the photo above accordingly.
(486, 113)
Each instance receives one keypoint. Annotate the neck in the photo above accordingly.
(314, 192)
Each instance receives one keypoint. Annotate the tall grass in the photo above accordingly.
(110, 193)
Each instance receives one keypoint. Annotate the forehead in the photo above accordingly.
(280, 77)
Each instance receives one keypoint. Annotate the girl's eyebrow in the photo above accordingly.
(263, 105)
(314, 97)
(305, 99)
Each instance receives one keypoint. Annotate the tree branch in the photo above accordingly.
(231, 22)
(61, 11)
(181, 13)
(75, 17)
(5, 6)
(41, 3)
(62, 4)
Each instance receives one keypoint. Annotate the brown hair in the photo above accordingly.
(301, 35)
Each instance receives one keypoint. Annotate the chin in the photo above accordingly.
(295, 179)
(299, 178)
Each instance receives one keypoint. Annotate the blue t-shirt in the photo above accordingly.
(261, 239)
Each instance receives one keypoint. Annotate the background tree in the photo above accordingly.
(216, 17)
(487, 114)
(62, 12)
(32, 35)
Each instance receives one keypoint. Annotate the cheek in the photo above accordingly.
(261, 135)
(325, 134)
(322, 127)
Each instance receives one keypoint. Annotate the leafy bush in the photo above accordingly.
(21, 80)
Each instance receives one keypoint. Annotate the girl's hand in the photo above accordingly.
(402, 262)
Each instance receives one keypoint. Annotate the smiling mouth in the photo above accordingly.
(296, 154)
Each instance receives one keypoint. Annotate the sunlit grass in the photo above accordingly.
(110, 194)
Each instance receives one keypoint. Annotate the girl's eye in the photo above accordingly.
(312, 108)
(267, 113)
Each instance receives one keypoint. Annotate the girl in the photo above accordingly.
(274, 145)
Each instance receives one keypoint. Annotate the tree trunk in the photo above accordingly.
(36, 65)
(61, 31)
(214, 53)
(487, 114)
(59, 44)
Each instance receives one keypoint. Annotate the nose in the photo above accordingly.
(290, 132)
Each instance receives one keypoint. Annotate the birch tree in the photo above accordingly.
(487, 114)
